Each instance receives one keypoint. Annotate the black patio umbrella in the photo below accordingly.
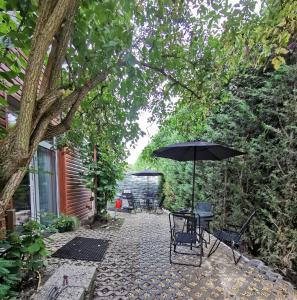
(147, 173)
(196, 150)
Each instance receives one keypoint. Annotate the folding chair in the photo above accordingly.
(231, 236)
(183, 233)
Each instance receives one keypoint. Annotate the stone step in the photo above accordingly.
(69, 282)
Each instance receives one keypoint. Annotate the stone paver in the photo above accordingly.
(80, 283)
(136, 266)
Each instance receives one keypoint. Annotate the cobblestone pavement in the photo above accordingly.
(136, 266)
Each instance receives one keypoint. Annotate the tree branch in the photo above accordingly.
(193, 64)
(73, 101)
(48, 23)
(44, 104)
(58, 51)
(64, 125)
(168, 76)
(71, 76)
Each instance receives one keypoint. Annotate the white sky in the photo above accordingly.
(150, 130)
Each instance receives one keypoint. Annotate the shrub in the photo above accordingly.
(66, 223)
(9, 277)
(24, 258)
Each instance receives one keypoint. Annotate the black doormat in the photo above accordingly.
(83, 249)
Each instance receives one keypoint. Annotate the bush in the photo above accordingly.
(9, 277)
(24, 258)
(66, 223)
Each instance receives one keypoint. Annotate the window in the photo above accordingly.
(11, 119)
(21, 198)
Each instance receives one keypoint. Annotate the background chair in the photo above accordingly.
(183, 234)
(127, 200)
(231, 236)
(204, 207)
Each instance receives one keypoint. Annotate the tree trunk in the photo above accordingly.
(11, 185)
(42, 103)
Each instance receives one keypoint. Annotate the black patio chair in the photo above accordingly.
(149, 200)
(137, 204)
(204, 206)
(231, 236)
(183, 233)
(127, 195)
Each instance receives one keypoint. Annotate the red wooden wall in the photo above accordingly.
(74, 196)
(16, 80)
(3, 121)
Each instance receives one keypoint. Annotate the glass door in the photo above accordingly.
(44, 184)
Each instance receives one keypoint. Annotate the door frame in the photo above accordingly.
(34, 186)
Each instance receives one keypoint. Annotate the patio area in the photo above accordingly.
(136, 266)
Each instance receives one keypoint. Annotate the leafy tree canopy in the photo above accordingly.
(133, 54)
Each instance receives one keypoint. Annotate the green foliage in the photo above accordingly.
(62, 223)
(11, 19)
(65, 223)
(107, 123)
(156, 51)
(24, 257)
(260, 119)
(102, 174)
(29, 246)
(8, 278)
(194, 49)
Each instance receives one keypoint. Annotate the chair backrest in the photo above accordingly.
(247, 222)
(204, 206)
(182, 222)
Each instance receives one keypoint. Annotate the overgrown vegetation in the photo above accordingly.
(20, 265)
(140, 52)
(107, 60)
(254, 110)
(65, 223)
(260, 119)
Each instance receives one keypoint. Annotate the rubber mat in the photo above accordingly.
(81, 248)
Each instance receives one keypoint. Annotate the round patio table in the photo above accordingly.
(205, 214)
(205, 218)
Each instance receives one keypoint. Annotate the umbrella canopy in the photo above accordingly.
(196, 150)
(147, 173)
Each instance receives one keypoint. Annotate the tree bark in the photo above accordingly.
(47, 26)
(41, 104)
(45, 130)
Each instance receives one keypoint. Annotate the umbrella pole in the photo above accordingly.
(193, 187)
(147, 193)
